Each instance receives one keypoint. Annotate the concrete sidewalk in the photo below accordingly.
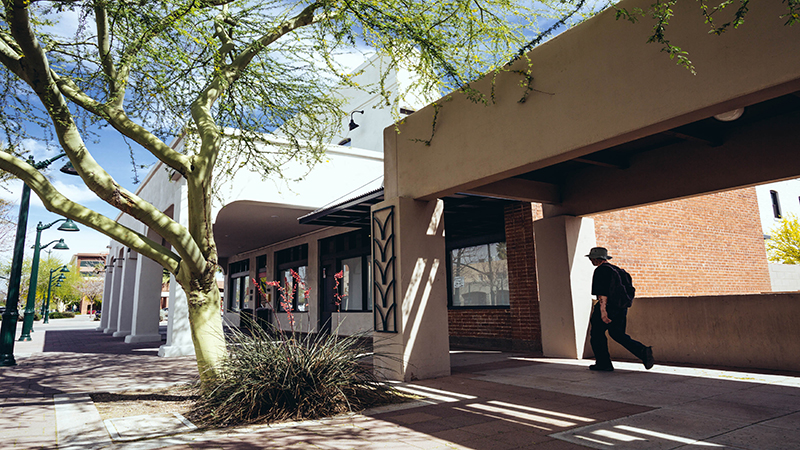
(492, 401)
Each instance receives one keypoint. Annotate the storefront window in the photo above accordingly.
(292, 267)
(294, 288)
(479, 276)
(354, 288)
(239, 284)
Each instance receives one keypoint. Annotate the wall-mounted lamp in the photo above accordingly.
(407, 111)
(346, 141)
(353, 124)
(730, 116)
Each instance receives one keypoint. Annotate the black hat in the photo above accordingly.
(598, 253)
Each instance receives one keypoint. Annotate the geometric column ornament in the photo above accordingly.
(383, 257)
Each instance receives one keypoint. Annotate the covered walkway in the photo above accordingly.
(492, 401)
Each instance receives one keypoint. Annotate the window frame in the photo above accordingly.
(239, 272)
(776, 205)
(285, 260)
(366, 280)
(471, 242)
(338, 248)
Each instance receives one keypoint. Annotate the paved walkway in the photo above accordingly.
(492, 401)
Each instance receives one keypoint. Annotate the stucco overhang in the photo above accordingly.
(247, 225)
(612, 121)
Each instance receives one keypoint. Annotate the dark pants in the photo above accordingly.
(616, 329)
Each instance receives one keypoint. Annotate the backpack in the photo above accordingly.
(622, 290)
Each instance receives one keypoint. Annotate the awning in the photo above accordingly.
(351, 212)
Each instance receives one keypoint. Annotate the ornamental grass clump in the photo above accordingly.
(268, 379)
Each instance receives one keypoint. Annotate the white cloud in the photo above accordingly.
(78, 193)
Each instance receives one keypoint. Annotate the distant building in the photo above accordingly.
(91, 265)
(777, 201)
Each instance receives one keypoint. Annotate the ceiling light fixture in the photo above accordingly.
(730, 116)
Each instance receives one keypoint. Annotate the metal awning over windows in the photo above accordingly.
(351, 212)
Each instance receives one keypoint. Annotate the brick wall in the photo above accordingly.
(518, 326)
(708, 245)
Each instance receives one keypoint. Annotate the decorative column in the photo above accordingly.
(126, 289)
(409, 290)
(108, 283)
(565, 279)
(179, 334)
(113, 307)
(146, 302)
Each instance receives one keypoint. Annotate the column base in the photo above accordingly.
(167, 351)
(136, 338)
(121, 333)
(109, 330)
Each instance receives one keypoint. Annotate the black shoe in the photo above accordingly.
(601, 368)
(648, 358)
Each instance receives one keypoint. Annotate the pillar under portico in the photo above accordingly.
(107, 285)
(112, 309)
(179, 333)
(146, 302)
(410, 292)
(565, 278)
(127, 288)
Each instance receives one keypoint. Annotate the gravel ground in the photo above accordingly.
(179, 398)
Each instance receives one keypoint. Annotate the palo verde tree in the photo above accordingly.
(783, 245)
(152, 70)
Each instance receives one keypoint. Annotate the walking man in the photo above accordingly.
(610, 313)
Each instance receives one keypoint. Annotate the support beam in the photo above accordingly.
(593, 162)
(112, 306)
(125, 315)
(519, 189)
(754, 153)
(411, 339)
(565, 278)
(107, 290)
(146, 302)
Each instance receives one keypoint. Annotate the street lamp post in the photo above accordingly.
(30, 306)
(46, 306)
(10, 316)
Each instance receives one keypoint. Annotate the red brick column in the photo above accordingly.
(526, 332)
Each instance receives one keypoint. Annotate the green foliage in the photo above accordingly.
(265, 379)
(62, 315)
(784, 243)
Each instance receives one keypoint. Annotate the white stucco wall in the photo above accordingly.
(377, 116)
(343, 171)
(789, 199)
(784, 277)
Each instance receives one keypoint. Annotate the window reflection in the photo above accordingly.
(479, 275)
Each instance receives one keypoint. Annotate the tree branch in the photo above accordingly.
(118, 119)
(55, 202)
(104, 48)
(36, 67)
